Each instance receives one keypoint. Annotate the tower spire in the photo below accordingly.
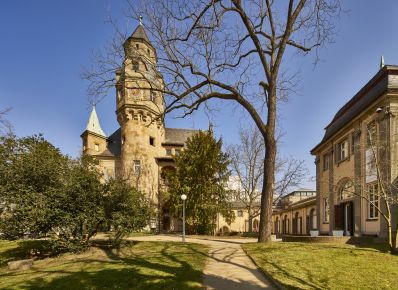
(93, 124)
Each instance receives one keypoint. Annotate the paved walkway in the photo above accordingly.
(227, 267)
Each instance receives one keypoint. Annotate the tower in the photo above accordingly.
(94, 139)
(139, 106)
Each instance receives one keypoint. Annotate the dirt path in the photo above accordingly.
(227, 267)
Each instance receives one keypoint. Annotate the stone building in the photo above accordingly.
(363, 131)
(295, 213)
(142, 148)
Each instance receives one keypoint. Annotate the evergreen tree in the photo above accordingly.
(201, 174)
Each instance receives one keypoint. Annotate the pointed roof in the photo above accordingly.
(139, 33)
(93, 124)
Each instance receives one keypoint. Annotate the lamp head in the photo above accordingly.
(183, 197)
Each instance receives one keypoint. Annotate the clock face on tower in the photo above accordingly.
(134, 92)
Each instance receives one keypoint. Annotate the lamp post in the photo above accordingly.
(183, 198)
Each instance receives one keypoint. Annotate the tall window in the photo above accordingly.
(119, 94)
(347, 190)
(137, 167)
(168, 151)
(325, 162)
(342, 150)
(373, 204)
(326, 210)
(152, 96)
(371, 134)
(240, 213)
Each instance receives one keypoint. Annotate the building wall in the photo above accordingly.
(240, 224)
(354, 168)
(284, 221)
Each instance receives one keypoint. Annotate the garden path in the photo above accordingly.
(227, 266)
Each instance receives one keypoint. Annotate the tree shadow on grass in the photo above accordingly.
(158, 270)
(26, 249)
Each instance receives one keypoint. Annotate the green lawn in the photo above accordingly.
(143, 265)
(326, 266)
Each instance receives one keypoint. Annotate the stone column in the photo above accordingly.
(331, 190)
(358, 179)
(318, 193)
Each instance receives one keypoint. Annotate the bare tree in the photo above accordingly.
(232, 50)
(5, 126)
(248, 167)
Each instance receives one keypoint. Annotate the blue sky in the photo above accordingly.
(45, 44)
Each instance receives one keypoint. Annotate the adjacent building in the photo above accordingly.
(357, 154)
(295, 213)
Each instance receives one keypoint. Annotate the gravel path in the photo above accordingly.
(227, 267)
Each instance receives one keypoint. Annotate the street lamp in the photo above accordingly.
(183, 198)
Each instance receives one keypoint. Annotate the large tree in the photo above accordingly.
(201, 174)
(228, 50)
(248, 168)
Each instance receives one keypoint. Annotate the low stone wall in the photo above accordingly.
(319, 239)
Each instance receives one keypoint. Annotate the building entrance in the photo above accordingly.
(344, 217)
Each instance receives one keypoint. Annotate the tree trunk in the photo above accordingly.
(394, 240)
(250, 222)
(265, 228)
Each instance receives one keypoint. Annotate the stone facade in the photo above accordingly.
(295, 214)
(346, 164)
(142, 147)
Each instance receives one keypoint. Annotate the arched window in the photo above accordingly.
(346, 190)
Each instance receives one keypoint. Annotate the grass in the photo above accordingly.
(141, 265)
(325, 266)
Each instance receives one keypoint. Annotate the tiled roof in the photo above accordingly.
(140, 33)
(93, 124)
(178, 136)
(114, 143)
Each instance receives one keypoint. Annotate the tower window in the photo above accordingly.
(152, 141)
(177, 152)
(123, 139)
(137, 46)
(96, 147)
(119, 94)
(137, 167)
(149, 52)
(136, 66)
(168, 151)
(152, 96)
